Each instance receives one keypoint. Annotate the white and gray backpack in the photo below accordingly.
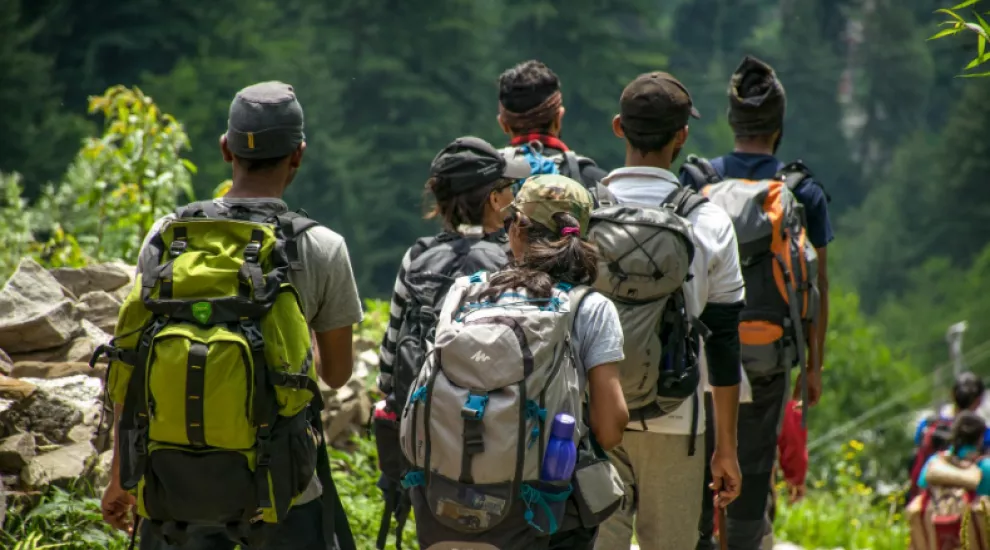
(477, 421)
(645, 259)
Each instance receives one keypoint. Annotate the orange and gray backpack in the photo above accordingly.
(779, 265)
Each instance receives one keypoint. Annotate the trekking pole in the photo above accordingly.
(723, 541)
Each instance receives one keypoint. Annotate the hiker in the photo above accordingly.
(530, 112)
(497, 425)
(673, 272)
(756, 111)
(470, 183)
(228, 294)
(955, 483)
(934, 431)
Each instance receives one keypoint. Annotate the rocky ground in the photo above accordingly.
(51, 322)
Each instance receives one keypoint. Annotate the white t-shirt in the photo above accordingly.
(717, 276)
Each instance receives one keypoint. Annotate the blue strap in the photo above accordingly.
(538, 415)
(419, 394)
(532, 495)
(414, 478)
(538, 164)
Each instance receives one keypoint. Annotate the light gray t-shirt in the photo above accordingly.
(598, 332)
(326, 283)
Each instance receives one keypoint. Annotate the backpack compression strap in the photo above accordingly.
(700, 171)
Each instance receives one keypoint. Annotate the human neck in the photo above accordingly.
(659, 159)
(753, 148)
(246, 187)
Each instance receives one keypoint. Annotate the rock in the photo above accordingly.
(47, 416)
(103, 277)
(81, 433)
(79, 350)
(347, 409)
(100, 308)
(34, 313)
(100, 472)
(14, 389)
(6, 364)
(368, 359)
(59, 467)
(3, 503)
(15, 452)
(82, 392)
(49, 371)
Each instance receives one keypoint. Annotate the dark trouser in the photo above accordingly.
(575, 539)
(759, 424)
(301, 530)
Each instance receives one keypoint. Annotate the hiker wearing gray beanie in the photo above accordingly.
(756, 112)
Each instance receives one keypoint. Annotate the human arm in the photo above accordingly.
(338, 308)
(822, 324)
(116, 504)
(599, 340)
(609, 414)
(396, 313)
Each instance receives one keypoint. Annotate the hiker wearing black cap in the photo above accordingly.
(531, 112)
(470, 182)
(186, 503)
(757, 106)
(660, 459)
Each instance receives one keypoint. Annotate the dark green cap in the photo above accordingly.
(266, 121)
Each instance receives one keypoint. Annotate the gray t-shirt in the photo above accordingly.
(325, 284)
(598, 332)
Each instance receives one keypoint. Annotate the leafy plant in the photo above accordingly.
(844, 512)
(63, 518)
(376, 314)
(979, 26)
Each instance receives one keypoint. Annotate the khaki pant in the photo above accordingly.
(662, 498)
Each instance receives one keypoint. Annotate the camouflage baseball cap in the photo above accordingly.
(545, 195)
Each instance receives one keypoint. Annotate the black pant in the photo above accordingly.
(575, 539)
(302, 529)
(759, 424)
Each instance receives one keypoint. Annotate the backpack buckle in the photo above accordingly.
(474, 407)
(177, 247)
(253, 335)
(252, 251)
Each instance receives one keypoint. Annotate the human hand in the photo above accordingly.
(814, 386)
(795, 492)
(116, 506)
(726, 478)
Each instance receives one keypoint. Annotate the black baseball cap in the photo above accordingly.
(266, 121)
(655, 103)
(469, 162)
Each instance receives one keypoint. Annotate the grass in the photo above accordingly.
(843, 511)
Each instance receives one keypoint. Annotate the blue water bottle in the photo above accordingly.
(561, 454)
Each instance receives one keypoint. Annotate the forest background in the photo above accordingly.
(874, 109)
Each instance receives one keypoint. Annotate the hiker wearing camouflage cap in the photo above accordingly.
(543, 197)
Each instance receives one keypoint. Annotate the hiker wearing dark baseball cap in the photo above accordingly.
(531, 112)
(264, 142)
(660, 459)
(469, 184)
(757, 108)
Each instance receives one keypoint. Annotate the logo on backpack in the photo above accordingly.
(646, 254)
(480, 357)
(476, 432)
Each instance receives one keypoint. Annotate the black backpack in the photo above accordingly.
(435, 262)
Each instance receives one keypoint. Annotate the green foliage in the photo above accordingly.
(848, 515)
(977, 25)
(376, 315)
(68, 519)
(113, 191)
(356, 474)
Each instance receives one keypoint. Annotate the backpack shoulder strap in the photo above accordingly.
(796, 173)
(602, 196)
(292, 225)
(199, 209)
(684, 200)
(700, 171)
(573, 165)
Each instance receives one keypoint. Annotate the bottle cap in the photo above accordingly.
(563, 426)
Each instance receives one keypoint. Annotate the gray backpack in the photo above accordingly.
(477, 422)
(646, 253)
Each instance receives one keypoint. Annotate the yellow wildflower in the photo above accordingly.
(856, 445)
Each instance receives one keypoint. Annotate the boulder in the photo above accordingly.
(49, 371)
(59, 467)
(81, 433)
(14, 389)
(79, 350)
(99, 475)
(34, 313)
(6, 364)
(103, 277)
(15, 452)
(47, 416)
(100, 308)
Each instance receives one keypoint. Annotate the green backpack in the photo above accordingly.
(213, 363)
